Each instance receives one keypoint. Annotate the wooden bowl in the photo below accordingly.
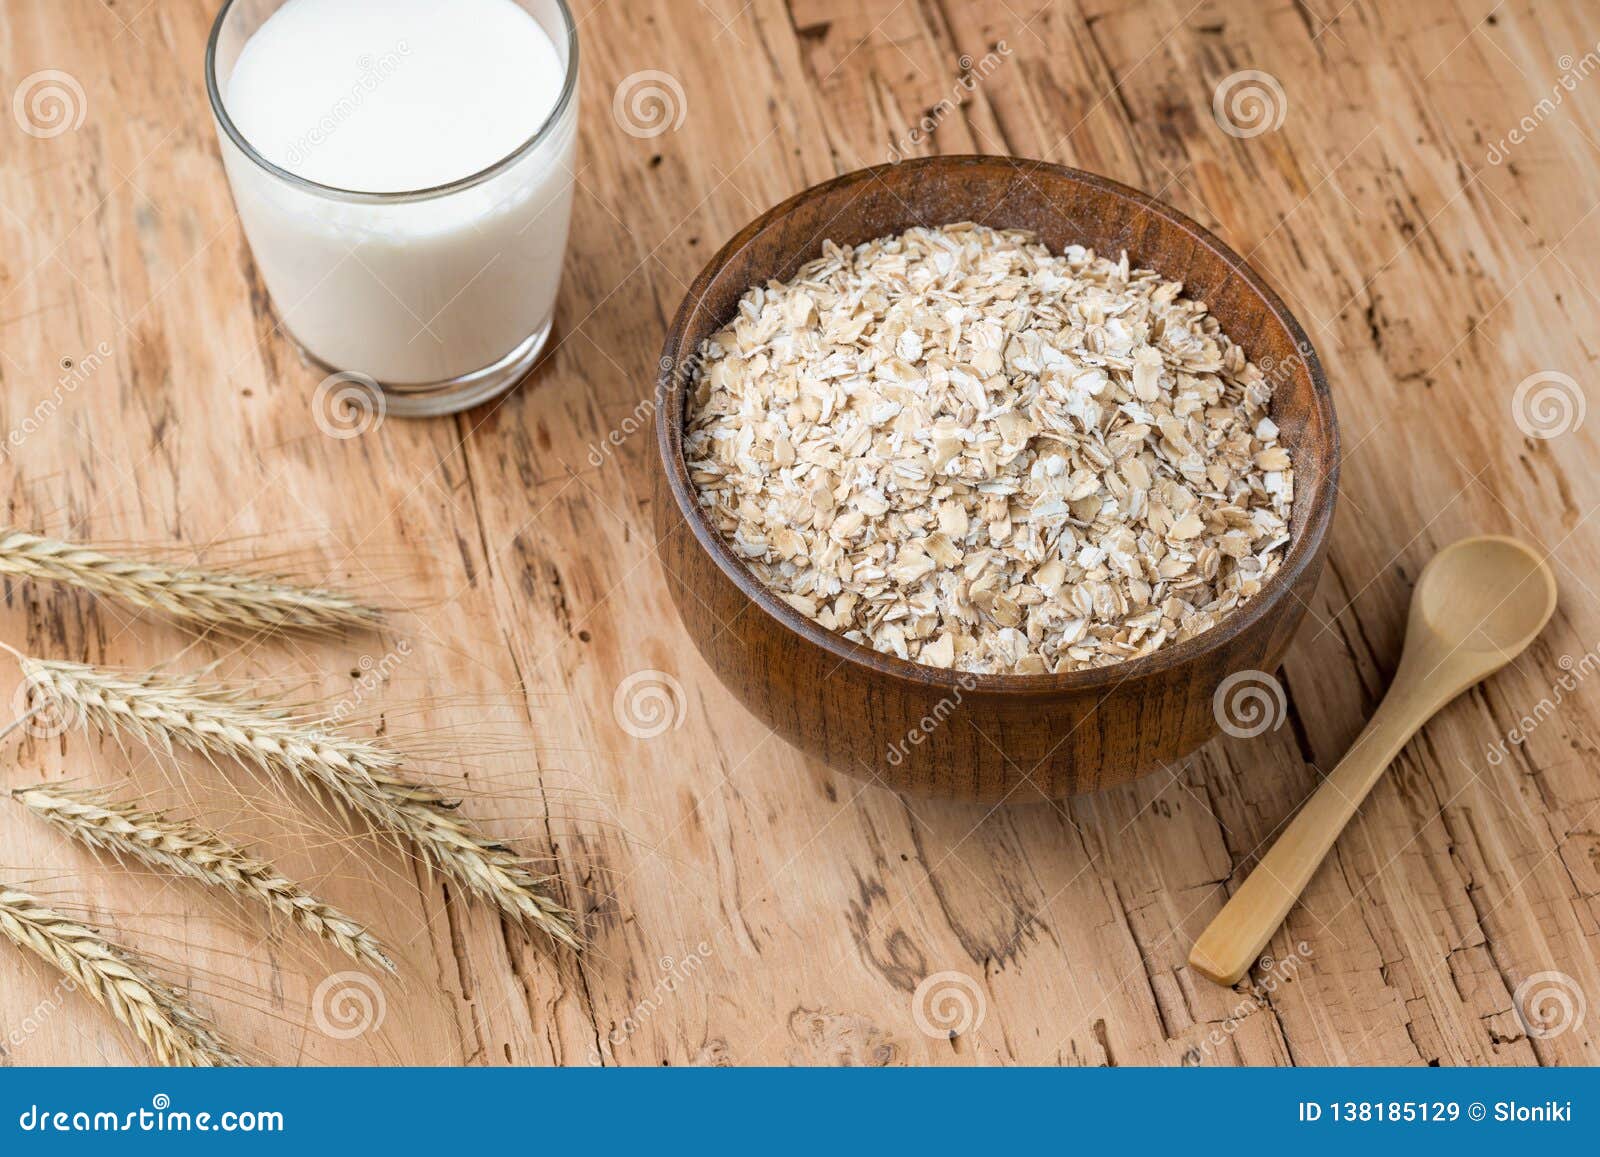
(927, 731)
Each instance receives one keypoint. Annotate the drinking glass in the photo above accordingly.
(440, 298)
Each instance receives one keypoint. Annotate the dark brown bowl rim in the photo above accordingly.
(671, 405)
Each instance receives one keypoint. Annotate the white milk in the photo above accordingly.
(393, 97)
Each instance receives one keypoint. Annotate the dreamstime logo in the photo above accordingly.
(1249, 703)
(1549, 1004)
(971, 73)
(1278, 372)
(348, 1004)
(1548, 404)
(1573, 73)
(649, 103)
(644, 412)
(49, 103)
(39, 1016)
(159, 1117)
(370, 675)
(373, 72)
(949, 1004)
(348, 405)
(674, 974)
(1249, 103)
(620, 433)
(649, 703)
(920, 731)
(44, 714)
(1273, 975)
(74, 372)
(1573, 673)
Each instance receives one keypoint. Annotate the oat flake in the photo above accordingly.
(961, 449)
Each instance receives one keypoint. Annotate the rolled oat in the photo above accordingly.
(959, 448)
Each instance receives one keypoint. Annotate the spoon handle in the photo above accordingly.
(1234, 939)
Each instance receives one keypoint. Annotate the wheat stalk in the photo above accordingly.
(124, 829)
(355, 774)
(116, 979)
(240, 602)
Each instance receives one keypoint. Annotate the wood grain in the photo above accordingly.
(746, 904)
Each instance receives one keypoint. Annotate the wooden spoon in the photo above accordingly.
(1477, 604)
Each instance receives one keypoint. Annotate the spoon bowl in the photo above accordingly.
(1484, 594)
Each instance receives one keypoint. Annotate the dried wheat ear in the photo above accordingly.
(117, 979)
(356, 775)
(127, 831)
(238, 602)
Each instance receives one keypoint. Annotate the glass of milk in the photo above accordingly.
(403, 171)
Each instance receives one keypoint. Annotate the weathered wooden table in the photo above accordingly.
(1421, 187)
